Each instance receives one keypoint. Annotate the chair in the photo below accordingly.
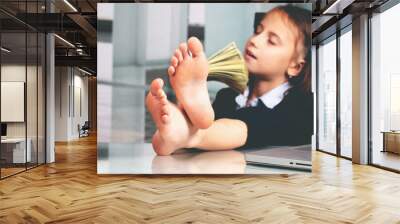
(84, 130)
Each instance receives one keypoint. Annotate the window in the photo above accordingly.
(346, 93)
(385, 89)
(327, 96)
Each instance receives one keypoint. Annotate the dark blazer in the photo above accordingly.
(288, 123)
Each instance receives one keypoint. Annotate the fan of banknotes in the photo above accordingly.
(227, 66)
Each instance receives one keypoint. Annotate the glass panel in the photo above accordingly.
(327, 96)
(41, 98)
(314, 90)
(346, 94)
(385, 87)
(13, 87)
(31, 97)
(31, 87)
(23, 88)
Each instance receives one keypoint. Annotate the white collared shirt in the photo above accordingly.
(270, 99)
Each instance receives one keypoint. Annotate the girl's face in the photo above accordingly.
(270, 52)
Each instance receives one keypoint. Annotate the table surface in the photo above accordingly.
(140, 158)
(13, 140)
(391, 132)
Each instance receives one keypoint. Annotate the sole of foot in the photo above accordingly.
(173, 129)
(188, 73)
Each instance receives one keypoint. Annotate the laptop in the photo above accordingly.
(294, 157)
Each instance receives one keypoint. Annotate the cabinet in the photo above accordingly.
(391, 141)
(13, 150)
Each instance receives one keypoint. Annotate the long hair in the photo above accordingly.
(301, 18)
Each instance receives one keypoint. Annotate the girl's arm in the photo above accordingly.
(223, 134)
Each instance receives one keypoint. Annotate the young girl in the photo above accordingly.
(275, 109)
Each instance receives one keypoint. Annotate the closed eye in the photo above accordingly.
(271, 42)
(273, 39)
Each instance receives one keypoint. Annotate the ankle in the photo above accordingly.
(196, 139)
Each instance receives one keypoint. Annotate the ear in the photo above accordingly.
(295, 67)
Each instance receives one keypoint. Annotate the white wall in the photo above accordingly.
(15, 72)
(79, 117)
(12, 101)
(33, 126)
(197, 14)
(68, 83)
(62, 81)
(12, 73)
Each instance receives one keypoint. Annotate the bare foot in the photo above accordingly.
(188, 76)
(174, 131)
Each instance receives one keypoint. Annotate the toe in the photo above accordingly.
(163, 96)
(195, 46)
(148, 100)
(174, 61)
(165, 118)
(165, 110)
(184, 50)
(164, 100)
(171, 70)
(160, 94)
(178, 55)
(155, 86)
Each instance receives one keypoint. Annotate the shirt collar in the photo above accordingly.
(270, 99)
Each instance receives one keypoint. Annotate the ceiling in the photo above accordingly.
(76, 22)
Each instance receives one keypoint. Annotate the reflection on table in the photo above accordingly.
(140, 158)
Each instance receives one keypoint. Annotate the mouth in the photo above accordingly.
(249, 55)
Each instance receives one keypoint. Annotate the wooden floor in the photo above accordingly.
(387, 159)
(10, 171)
(70, 191)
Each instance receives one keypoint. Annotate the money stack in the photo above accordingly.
(228, 66)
